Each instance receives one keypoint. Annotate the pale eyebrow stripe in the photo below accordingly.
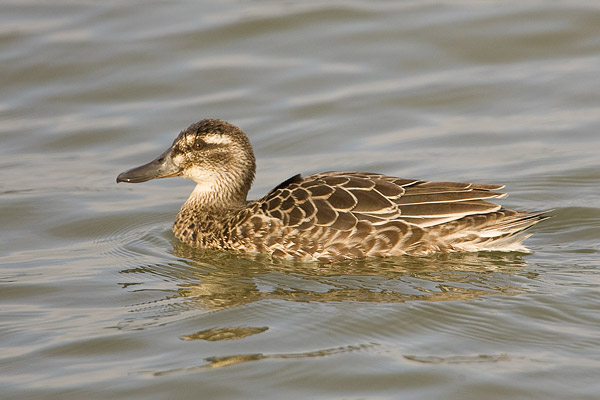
(217, 139)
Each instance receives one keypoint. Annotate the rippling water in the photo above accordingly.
(99, 300)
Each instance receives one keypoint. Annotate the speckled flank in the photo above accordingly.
(333, 215)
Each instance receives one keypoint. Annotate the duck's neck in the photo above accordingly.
(203, 220)
(214, 197)
(224, 189)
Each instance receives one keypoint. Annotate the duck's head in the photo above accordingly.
(215, 154)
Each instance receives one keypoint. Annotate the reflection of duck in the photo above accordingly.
(327, 216)
(214, 280)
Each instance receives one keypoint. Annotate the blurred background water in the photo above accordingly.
(98, 299)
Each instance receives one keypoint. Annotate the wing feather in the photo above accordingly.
(375, 198)
(336, 215)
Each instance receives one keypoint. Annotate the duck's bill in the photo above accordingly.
(162, 167)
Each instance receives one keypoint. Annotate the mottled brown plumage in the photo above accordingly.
(327, 216)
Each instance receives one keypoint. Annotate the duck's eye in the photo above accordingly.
(199, 144)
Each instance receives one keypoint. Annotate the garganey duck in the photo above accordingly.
(328, 216)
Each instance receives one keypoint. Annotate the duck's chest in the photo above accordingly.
(204, 230)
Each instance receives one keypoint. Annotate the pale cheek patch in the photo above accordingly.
(179, 159)
(200, 175)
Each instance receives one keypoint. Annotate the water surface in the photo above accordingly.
(99, 300)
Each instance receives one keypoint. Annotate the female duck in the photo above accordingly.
(327, 216)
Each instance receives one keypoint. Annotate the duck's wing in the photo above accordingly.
(341, 199)
(339, 215)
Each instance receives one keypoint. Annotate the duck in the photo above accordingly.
(329, 216)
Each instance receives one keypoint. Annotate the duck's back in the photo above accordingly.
(339, 215)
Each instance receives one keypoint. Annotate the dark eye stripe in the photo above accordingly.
(199, 144)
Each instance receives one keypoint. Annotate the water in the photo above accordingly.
(99, 300)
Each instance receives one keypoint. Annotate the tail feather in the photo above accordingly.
(503, 230)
